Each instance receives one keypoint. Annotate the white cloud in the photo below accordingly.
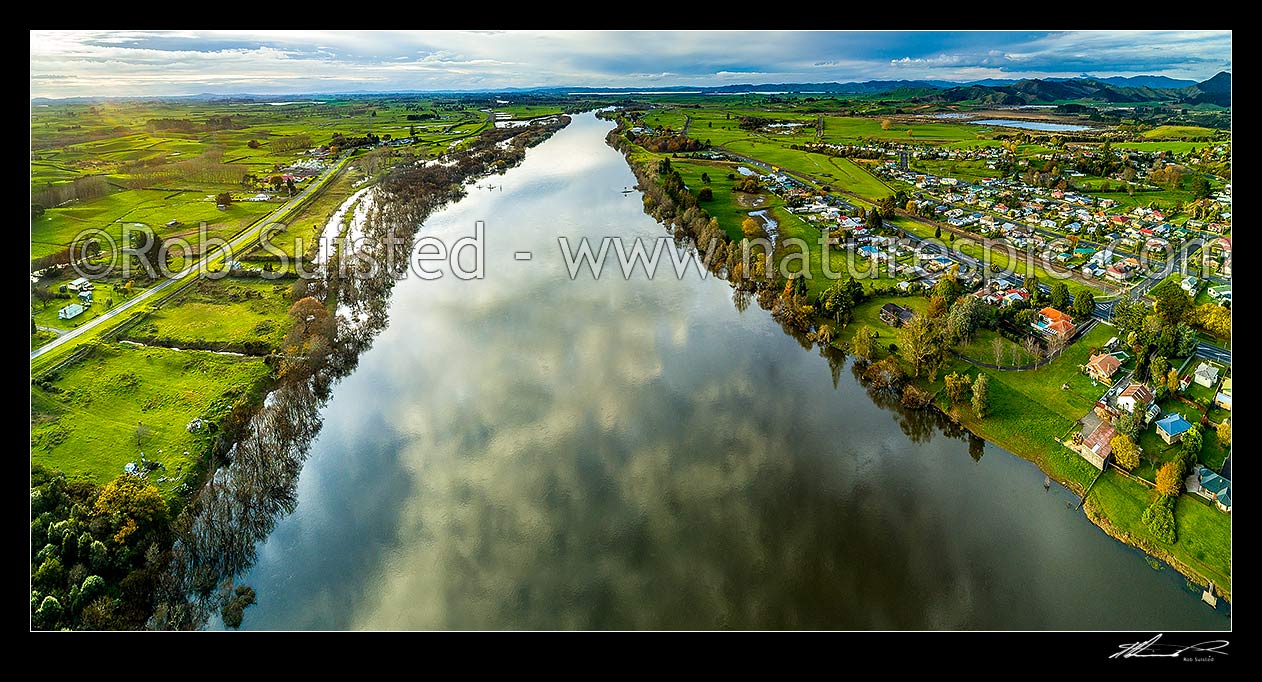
(129, 63)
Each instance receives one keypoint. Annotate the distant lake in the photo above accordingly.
(1033, 125)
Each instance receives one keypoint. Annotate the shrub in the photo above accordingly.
(1159, 519)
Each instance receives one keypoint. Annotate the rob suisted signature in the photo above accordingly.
(1152, 649)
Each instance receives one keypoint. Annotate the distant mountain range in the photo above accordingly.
(1114, 89)
(1216, 90)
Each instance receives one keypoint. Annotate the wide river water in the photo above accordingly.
(531, 451)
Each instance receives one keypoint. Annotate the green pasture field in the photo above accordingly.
(228, 311)
(86, 424)
(1179, 131)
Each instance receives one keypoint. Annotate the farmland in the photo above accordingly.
(97, 415)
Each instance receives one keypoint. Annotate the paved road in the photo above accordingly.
(1214, 353)
(241, 239)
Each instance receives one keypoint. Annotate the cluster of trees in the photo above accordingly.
(291, 143)
(207, 167)
(926, 340)
(96, 551)
(753, 122)
(341, 141)
(959, 389)
(1213, 318)
(1159, 519)
(840, 299)
(668, 144)
(844, 151)
(183, 125)
(1168, 175)
(1160, 332)
(749, 185)
(87, 187)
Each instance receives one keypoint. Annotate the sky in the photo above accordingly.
(146, 63)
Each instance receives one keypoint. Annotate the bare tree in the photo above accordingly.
(1056, 344)
(997, 346)
(1033, 347)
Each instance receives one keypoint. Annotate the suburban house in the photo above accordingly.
(1095, 445)
(896, 315)
(70, 312)
(1054, 323)
(1223, 399)
(1102, 367)
(80, 284)
(1134, 394)
(1172, 427)
(1221, 294)
(1206, 375)
(1213, 487)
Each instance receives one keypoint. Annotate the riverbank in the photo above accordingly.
(234, 429)
(1028, 414)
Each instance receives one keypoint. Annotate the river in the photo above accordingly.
(529, 452)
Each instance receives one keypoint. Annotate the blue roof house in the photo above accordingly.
(1172, 427)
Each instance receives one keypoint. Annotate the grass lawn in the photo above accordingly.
(838, 173)
(845, 129)
(731, 208)
(1023, 426)
(88, 425)
(852, 177)
(969, 171)
(1043, 385)
(226, 313)
(1213, 452)
(1203, 533)
(981, 347)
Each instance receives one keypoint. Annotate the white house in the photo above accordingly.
(1206, 375)
(1132, 394)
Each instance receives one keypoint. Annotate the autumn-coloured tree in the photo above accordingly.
(1125, 451)
(1224, 432)
(310, 318)
(957, 386)
(1169, 478)
(752, 228)
(131, 505)
(937, 306)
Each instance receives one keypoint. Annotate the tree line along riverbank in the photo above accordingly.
(217, 440)
(1028, 413)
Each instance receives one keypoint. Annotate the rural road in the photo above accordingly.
(249, 233)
